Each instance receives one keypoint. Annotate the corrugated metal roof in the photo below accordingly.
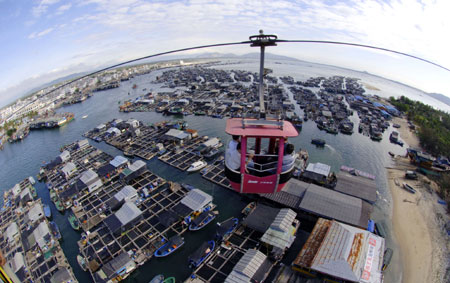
(343, 251)
(88, 176)
(246, 267)
(261, 218)
(68, 168)
(296, 187)
(83, 143)
(65, 155)
(127, 213)
(118, 160)
(127, 191)
(62, 275)
(319, 168)
(284, 198)
(283, 220)
(196, 199)
(138, 164)
(36, 212)
(18, 261)
(114, 265)
(279, 239)
(357, 186)
(16, 190)
(40, 232)
(334, 205)
(12, 231)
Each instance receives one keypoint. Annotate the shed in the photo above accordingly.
(61, 276)
(69, 169)
(12, 231)
(91, 180)
(42, 235)
(35, 213)
(196, 200)
(83, 143)
(65, 155)
(335, 205)
(281, 233)
(124, 218)
(343, 252)
(127, 193)
(120, 265)
(17, 262)
(118, 161)
(261, 218)
(252, 267)
(357, 186)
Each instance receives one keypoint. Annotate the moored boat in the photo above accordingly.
(82, 262)
(202, 220)
(318, 142)
(169, 280)
(196, 166)
(157, 279)
(409, 188)
(388, 253)
(59, 206)
(249, 208)
(47, 211)
(225, 228)
(170, 246)
(74, 222)
(201, 254)
(55, 230)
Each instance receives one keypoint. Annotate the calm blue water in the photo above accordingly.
(24, 159)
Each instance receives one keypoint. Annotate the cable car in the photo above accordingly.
(266, 174)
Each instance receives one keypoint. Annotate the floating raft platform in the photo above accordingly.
(216, 173)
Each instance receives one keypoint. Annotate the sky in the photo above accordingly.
(42, 40)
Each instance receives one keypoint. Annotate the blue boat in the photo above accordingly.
(201, 254)
(202, 220)
(172, 245)
(47, 211)
(225, 228)
(157, 279)
(55, 230)
(318, 142)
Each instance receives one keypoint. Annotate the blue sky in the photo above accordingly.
(41, 40)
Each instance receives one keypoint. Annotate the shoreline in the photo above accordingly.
(417, 219)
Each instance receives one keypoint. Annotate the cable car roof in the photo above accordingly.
(260, 128)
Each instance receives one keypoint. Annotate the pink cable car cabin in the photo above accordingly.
(266, 175)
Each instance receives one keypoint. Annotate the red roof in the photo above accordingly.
(234, 127)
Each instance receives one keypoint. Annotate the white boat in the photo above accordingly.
(85, 116)
(196, 166)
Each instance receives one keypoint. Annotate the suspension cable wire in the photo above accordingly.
(147, 57)
(241, 43)
(364, 46)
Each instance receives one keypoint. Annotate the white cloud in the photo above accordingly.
(42, 7)
(39, 34)
(63, 8)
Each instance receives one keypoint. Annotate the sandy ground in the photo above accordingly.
(406, 134)
(418, 221)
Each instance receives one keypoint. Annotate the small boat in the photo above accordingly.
(249, 208)
(31, 180)
(169, 280)
(387, 258)
(409, 188)
(318, 142)
(331, 130)
(82, 262)
(201, 254)
(59, 206)
(55, 230)
(187, 186)
(391, 153)
(202, 220)
(84, 117)
(196, 166)
(47, 211)
(225, 228)
(213, 152)
(172, 245)
(157, 279)
(74, 222)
